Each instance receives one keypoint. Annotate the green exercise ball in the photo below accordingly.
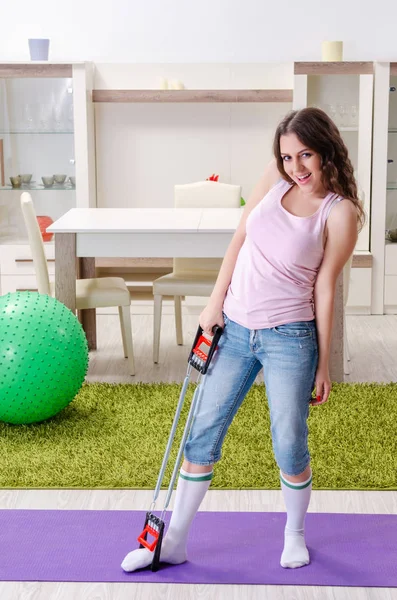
(43, 357)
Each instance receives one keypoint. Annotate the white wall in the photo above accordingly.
(204, 31)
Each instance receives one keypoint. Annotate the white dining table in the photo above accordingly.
(83, 234)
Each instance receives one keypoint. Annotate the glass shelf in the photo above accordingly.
(393, 130)
(35, 132)
(40, 187)
(391, 186)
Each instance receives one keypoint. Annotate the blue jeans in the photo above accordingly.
(289, 357)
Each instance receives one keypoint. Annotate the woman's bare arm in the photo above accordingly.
(341, 240)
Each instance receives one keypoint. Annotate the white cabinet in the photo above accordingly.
(391, 294)
(18, 283)
(17, 259)
(16, 267)
(359, 298)
(390, 298)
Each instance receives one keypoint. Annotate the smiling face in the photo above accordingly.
(301, 164)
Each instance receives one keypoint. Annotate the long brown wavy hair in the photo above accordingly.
(319, 133)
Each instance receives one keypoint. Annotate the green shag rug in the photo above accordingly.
(114, 436)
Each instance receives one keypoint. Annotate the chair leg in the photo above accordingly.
(123, 332)
(178, 319)
(158, 301)
(126, 333)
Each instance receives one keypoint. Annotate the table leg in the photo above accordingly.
(87, 317)
(337, 345)
(65, 269)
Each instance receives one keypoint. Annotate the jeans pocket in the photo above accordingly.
(299, 329)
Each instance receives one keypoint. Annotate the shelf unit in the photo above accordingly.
(25, 89)
(81, 76)
(390, 293)
(384, 187)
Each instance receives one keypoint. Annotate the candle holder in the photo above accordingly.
(332, 51)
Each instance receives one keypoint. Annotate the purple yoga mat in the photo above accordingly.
(224, 547)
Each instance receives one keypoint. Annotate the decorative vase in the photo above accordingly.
(45, 222)
(38, 48)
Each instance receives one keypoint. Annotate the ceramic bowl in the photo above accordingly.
(25, 178)
(16, 181)
(59, 178)
(72, 180)
(48, 181)
(393, 235)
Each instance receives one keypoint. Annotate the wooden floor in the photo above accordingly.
(373, 344)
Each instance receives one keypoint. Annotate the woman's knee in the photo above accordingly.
(292, 461)
(199, 456)
(195, 468)
(291, 453)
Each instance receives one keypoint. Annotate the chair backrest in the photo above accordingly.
(204, 194)
(36, 244)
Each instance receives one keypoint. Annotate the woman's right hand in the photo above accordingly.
(211, 315)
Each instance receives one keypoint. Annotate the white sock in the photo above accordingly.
(190, 492)
(296, 499)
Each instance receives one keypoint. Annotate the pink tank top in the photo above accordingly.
(276, 268)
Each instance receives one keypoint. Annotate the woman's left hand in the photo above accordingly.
(323, 386)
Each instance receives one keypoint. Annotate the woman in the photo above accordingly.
(274, 296)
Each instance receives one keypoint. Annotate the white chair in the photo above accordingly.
(90, 293)
(191, 276)
(346, 285)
